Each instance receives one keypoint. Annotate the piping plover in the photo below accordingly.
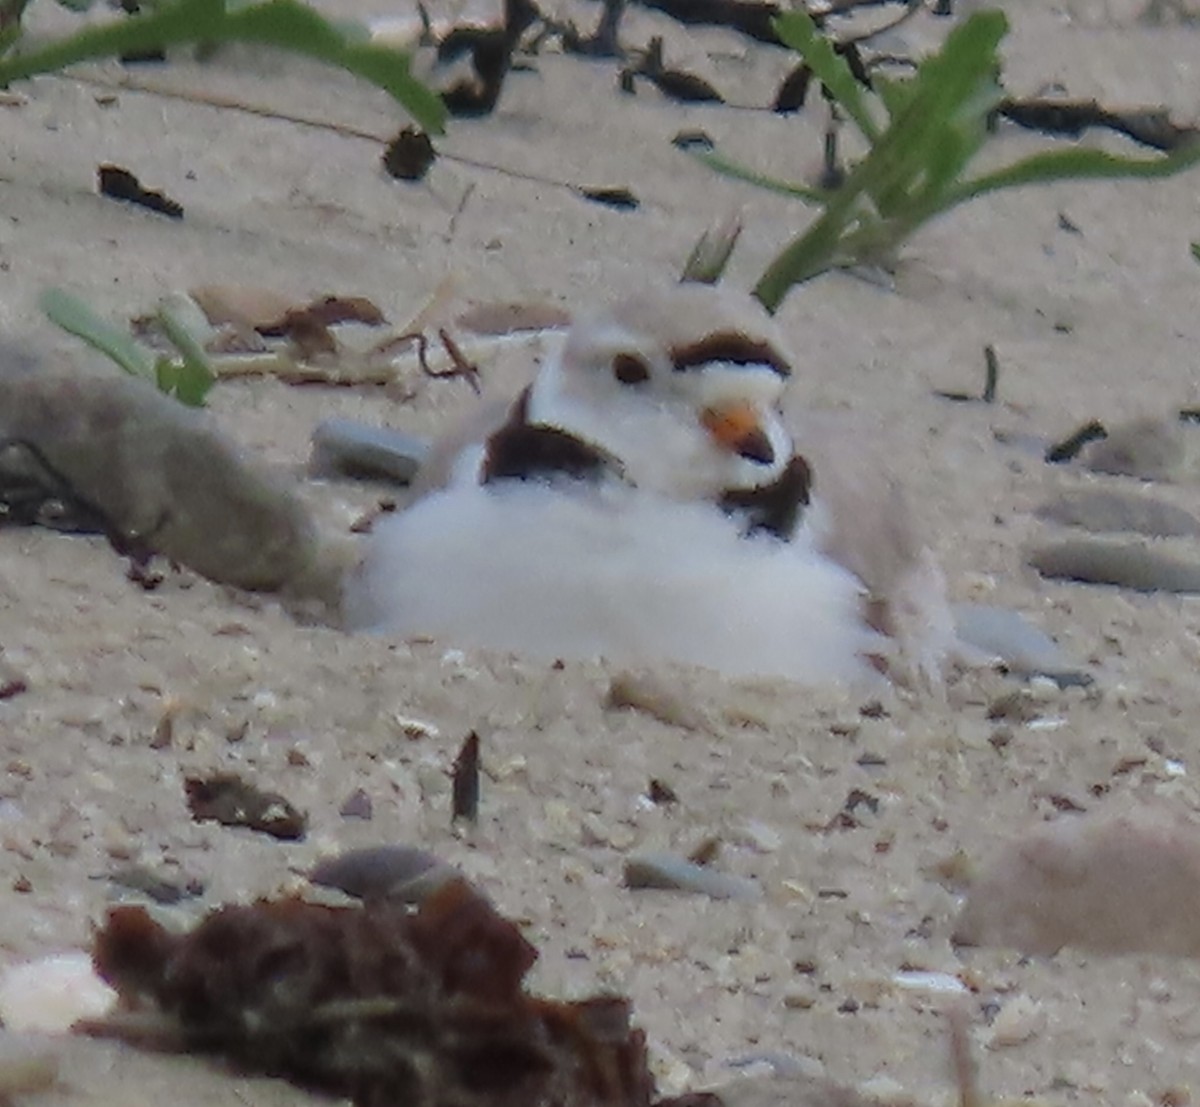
(643, 500)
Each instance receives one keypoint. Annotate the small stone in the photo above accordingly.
(674, 873)
(1019, 1021)
(347, 448)
(357, 805)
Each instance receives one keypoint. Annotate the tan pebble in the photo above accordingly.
(1019, 1021)
(558, 821)
(799, 999)
(593, 831)
(512, 768)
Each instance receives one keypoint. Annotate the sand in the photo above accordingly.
(1097, 324)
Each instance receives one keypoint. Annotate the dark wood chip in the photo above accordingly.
(686, 88)
(661, 792)
(620, 198)
(231, 801)
(465, 780)
(1069, 447)
(119, 184)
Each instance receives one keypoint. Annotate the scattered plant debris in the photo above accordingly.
(675, 84)
(376, 1004)
(188, 376)
(119, 184)
(1068, 449)
(753, 18)
(409, 156)
(286, 24)
(922, 134)
(489, 51)
(1071, 118)
(231, 801)
(465, 781)
(990, 379)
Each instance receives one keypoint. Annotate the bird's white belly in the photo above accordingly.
(578, 573)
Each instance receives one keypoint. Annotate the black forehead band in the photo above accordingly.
(732, 347)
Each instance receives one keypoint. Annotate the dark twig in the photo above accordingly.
(465, 781)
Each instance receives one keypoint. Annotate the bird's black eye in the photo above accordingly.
(630, 369)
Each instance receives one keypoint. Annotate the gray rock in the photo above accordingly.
(1126, 564)
(1109, 511)
(161, 477)
(1007, 636)
(1149, 449)
(347, 448)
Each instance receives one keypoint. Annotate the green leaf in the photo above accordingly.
(1080, 164)
(286, 24)
(728, 168)
(797, 30)
(1196, 250)
(75, 317)
(191, 379)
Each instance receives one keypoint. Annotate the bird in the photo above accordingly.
(643, 500)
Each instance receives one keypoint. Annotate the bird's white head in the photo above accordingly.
(683, 385)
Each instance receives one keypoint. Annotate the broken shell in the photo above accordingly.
(671, 872)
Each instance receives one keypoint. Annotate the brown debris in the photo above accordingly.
(378, 1004)
(409, 155)
(231, 801)
(118, 183)
(465, 783)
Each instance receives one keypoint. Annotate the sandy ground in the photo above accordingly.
(1096, 324)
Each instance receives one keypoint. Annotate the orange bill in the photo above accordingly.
(736, 427)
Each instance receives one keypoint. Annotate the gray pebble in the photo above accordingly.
(1005, 635)
(403, 874)
(1127, 564)
(348, 448)
(1149, 449)
(1105, 510)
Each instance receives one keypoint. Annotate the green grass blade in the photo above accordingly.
(728, 168)
(1196, 250)
(1056, 165)
(286, 24)
(190, 380)
(75, 317)
(797, 30)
